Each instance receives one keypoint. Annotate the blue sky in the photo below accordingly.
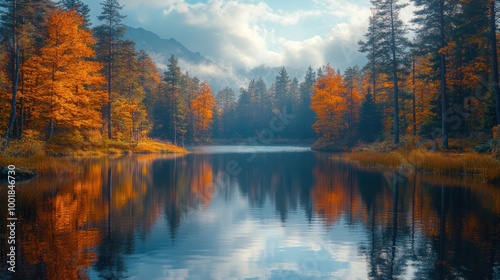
(243, 34)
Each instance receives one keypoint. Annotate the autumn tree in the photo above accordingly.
(68, 81)
(109, 35)
(202, 105)
(330, 105)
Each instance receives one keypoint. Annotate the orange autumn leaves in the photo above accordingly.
(203, 110)
(331, 102)
(65, 80)
(63, 87)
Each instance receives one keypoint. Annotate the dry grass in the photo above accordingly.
(153, 147)
(113, 147)
(49, 159)
(434, 162)
(42, 165)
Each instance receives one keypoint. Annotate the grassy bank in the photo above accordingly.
(483, 165)
(50, 159)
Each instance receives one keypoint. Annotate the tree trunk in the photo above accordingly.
(414, 110)
(494, 58)
(110, 73)
(374, 77)
(442, 74)
(395, 78)
(15, 80)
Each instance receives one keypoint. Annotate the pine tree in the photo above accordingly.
(433, 18)
(372, 49)
(12, 23)
(352, 78)
(393, 44)
(370, 125)
(226, 103)
(281, 91)
(176, 106)
(109, 35)
(305, 115)
(494, 58)
(80, 7)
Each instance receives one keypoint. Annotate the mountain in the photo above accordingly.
(164, 48)
(216, 75)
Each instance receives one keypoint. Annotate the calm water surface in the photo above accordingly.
(229, 212)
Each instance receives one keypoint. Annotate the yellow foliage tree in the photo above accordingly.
(202, 105)
(330, 105)
(67, 80)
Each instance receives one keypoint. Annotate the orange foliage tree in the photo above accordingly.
(202, 105)
(67, 80)
(330, 105)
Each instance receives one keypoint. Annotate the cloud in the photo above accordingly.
(244, 34)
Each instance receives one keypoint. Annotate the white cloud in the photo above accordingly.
(243, 34)
(246, 34)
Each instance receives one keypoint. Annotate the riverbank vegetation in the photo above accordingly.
(440, 163)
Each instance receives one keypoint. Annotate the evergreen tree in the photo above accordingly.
(281, 91)
(80, 7)
(352, 78)
(370, 125)
(226, 102)
(176, 106)
(262, 105)
(433, 18)
(244, 124)
(305, 115)
(372, 49)
(12, 24)
(393, 44)
(109, 36)
(494, 58)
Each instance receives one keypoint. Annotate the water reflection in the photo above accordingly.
(264, 215)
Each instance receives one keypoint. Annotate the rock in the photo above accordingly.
(21, 174)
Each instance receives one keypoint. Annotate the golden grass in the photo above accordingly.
(435, 162)
(113, 147)
(42, 165)
(153, 147)
(49, 159)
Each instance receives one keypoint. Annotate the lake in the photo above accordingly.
(229, 212)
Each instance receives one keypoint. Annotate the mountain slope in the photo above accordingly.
(216, 75)
(153, 44)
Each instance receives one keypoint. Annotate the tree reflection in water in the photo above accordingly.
(418, 226)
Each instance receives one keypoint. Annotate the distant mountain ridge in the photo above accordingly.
(152, 43)
(216, 75)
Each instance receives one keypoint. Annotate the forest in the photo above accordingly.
(64, 83)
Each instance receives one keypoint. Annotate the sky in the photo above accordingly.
(244, 34)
